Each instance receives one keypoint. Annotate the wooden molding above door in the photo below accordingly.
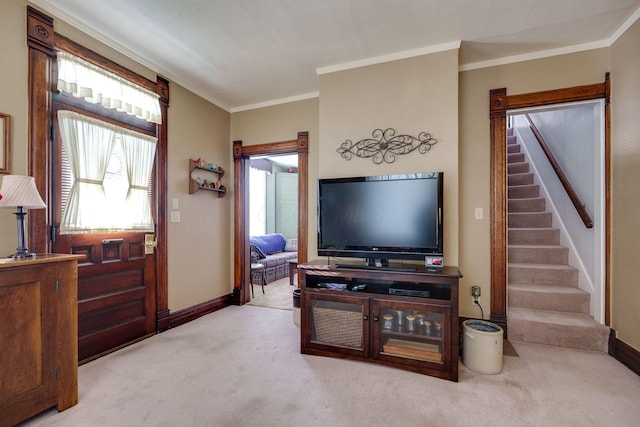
(499, 103)
(241, 155)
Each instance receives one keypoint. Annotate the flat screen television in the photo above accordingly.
(381, 218)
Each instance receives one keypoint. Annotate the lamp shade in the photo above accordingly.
(20, 191)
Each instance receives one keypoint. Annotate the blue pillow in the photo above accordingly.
(269, 243)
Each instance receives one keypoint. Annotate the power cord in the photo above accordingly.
(475, 301)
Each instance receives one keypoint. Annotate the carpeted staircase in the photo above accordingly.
(545, 304)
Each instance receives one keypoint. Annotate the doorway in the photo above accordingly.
(273, 213)
(564, 148)
(242, 157)
(499, 104)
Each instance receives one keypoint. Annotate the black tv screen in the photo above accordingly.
(381, 217)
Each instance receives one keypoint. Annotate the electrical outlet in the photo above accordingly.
(475, 291)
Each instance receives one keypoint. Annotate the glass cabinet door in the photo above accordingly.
(410, 333)
(339, 322)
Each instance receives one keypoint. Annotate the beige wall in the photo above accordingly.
(199, 251)
(625, 176)
(522, 77)
(413, 95)
(13, 101)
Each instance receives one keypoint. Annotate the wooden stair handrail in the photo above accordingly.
(575, 199)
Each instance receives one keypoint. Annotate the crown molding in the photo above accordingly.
(273, 102)
(390, 57)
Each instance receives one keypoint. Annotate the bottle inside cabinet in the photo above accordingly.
(413, 334)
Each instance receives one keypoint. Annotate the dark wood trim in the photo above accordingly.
(241, 155)
(499, 103)
(119, 117)
(186, 315)
(627, 355)
(624, 353)
(239, 291)
(498, 194)
(571, 192)
(40, 34)
(303, 195)
(160, 181)
(556, 96)
(40, 38)
(607, 198)
(282, 147)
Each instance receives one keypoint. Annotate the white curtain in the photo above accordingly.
(89, 145)
(139, 152)
(96, 85)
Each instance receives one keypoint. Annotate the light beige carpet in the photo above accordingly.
(277, 294)
(241, 366)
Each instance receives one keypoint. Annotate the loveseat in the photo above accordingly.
(273, 251)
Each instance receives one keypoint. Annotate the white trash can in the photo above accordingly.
(482, 346)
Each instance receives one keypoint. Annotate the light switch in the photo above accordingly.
(175, 216)
(176, 204)
(479, 213)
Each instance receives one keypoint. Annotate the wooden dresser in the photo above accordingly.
(38, 335)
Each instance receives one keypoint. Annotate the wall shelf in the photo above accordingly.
(194, 185)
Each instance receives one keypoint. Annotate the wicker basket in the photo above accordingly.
(338, 327)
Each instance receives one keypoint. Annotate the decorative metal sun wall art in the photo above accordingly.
(385, 146)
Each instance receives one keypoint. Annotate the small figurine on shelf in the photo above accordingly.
(218, 184)
(212, 166)
(196, 161)
(199, 180)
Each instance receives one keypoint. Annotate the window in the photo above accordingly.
(96, 85)
(258, 202)
(109, 171)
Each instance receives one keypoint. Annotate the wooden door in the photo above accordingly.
(116, 281)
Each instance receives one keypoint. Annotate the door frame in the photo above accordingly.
(499, 103)
(43, 43)
(241, 251)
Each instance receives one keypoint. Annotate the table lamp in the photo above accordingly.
(20, 192)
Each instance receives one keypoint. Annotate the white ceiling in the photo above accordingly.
(245, 53)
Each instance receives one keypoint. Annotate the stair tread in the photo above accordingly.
(533, 246)
(551, 289)
(530, 213)
(524, 199)
(533, 228)
(553, 317)
(542, 266)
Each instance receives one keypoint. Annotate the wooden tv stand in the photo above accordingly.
(400, 318)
